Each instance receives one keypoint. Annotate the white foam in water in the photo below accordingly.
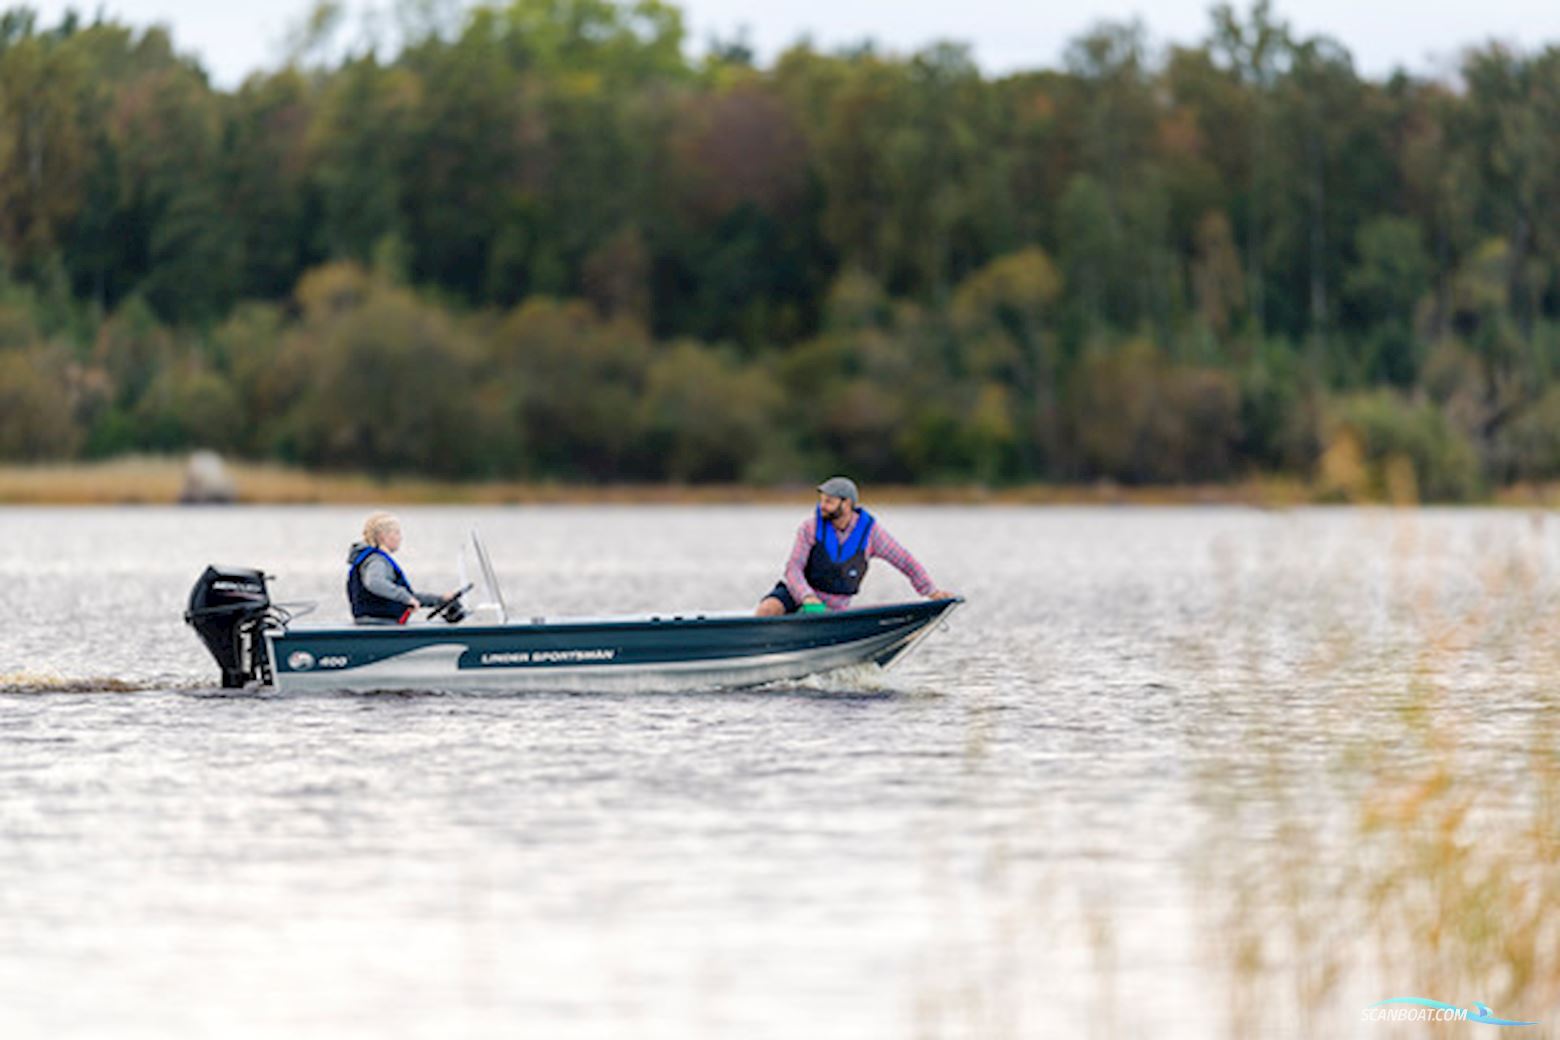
(856, 678)
(46, 682)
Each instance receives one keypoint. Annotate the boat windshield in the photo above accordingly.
(493, 593)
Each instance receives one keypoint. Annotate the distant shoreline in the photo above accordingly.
(140, 480)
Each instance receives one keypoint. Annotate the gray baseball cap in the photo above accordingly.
(840, 487)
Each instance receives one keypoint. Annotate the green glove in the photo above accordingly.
(813, 608)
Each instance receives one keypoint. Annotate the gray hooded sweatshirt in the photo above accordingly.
(379, 579)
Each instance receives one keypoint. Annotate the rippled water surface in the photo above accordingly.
(1056, 818)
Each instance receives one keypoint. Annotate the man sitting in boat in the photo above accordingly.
(829, 559)
(378, 589)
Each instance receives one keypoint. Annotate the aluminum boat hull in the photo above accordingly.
(643, 654)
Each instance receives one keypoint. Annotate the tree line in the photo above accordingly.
(550, 242)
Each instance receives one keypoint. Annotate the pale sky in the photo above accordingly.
(235, 38)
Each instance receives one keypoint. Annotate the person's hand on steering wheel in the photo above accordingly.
(449, 607)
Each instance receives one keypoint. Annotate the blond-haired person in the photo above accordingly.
(377, 588)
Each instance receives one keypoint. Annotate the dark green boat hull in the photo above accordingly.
(648, 653)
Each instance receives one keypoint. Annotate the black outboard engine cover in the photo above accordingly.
(228, 608)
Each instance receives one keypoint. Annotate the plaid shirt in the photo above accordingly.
(881, 544)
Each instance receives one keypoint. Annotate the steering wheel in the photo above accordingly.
(441, 609)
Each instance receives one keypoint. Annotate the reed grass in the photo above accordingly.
(1367, 838)
(1441, 877)
(156, 480)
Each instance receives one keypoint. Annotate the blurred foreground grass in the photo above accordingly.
(1350, 793)
(1394, 831)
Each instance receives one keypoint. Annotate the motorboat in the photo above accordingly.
(260, 645)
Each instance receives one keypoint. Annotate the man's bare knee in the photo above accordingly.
(769, 607)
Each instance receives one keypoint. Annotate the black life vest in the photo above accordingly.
(369, 604)
(834, 568)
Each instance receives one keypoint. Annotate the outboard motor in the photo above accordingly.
(228, 610)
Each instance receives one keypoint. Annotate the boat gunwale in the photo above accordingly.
(920, 607)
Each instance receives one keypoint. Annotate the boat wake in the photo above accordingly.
(47, 682)
(852, 680)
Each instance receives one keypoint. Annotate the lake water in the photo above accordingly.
(1180, 773)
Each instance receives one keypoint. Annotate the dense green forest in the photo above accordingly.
(551, 242)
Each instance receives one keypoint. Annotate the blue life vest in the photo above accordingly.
(839, 568)
(369, 604)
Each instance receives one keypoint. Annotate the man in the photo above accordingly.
(830, 556)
